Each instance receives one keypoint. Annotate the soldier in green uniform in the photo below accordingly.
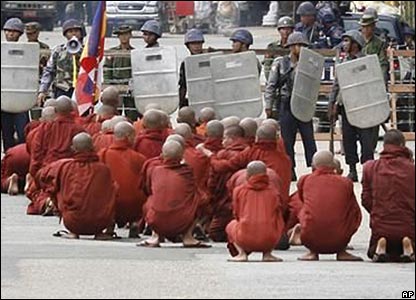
(117, 69)
(59, 69)
(374, 45)
(285, 27)
(32, 34)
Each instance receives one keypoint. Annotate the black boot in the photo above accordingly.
(353, 173)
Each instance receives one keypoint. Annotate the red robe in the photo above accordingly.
(125, 165)
(265, 151)
(220, 199)
(138, 126)
(53, 141)
(197, 139)
(149, 142)
(330, 213)
(16, 161)
(201, 130)
(258, 223)
(389, 195)
(103, 140)
(83, 191)
(92, 123)
(30, 132)
(171, 208)
(147, 170)
(213, 144)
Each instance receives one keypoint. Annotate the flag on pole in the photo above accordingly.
(88, 84)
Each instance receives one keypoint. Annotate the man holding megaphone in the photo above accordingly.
(62, 62)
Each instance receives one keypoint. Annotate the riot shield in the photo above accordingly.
(306, 84)
(363, 91)
(155, 78)
(199, 81)
(19, 76)
(236, 85)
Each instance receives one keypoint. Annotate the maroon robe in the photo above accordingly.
(149, 142)
(16, 161)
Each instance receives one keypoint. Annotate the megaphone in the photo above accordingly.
(73, 45)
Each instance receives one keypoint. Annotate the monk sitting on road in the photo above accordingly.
(221, 201)
(389, 197)
(230, 121)
(138, 124)
(207, 114)
(258, 223)
(171, 208)
(125, 165)
(214, 136)
(83, 191)
(14, 168)
(149, 142)
(187, 115)
(330, 214)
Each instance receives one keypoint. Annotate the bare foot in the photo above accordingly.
(408, 251)
(70, 236)
(27, 183)
(294, 239)
(311, 256)
(13, 185)
(242, 257)
(345, 256)
(271, 258)
(380, 254)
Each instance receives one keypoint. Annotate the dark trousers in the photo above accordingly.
(59, 92)
(11, 123)
(350, 136)
(289, 126)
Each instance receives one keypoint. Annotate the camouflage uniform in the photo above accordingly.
(59, 70)
(376, 46)
(272, 51)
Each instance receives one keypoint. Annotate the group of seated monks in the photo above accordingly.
(226, 180)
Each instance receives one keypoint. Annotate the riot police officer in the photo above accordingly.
(117, 69)
(308, 25)
(60, 67)
(242, 40)
(151, 33)
(331, 33)
(353, 43)
(285, 27)
(13, 122)
(280, 85)
(194, 40)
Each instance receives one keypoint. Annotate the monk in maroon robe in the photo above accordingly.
(389, 197)
(171, 208)
(83, 190)
(330, 214)
(214, 136)
(105, 137)
(187, 115)
(258, 223)
(51, 142)
(206, 114)
(250, 127)
(149, 142)
(125, 165)
(14, 167)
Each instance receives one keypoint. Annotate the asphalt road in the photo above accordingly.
(34, 264)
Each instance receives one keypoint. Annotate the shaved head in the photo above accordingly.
(152, 106)
(323, 159)
(64, 105)
(250, 127)
(184, 130)
(123, 130)
(106, 126)
(82, 142)
(207, 114)
(187, 115)
(394, 137)
(230, 121)
(110, 96)
(271, 122)
(215, 129)
(255, 168)
(266, 133)
(117, 119)
(172, 150)
(50, 102)
(48, 113)
(106, 110)
(177, 138)
(234, 132)
(153, 119)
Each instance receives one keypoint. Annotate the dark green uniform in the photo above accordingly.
(117, 71)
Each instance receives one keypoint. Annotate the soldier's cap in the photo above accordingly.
(356, 37)
(71, 24)
(123, 29)
(285, 22)
(32, 27)
(367, 20)
(306, 9)
(14, 24)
